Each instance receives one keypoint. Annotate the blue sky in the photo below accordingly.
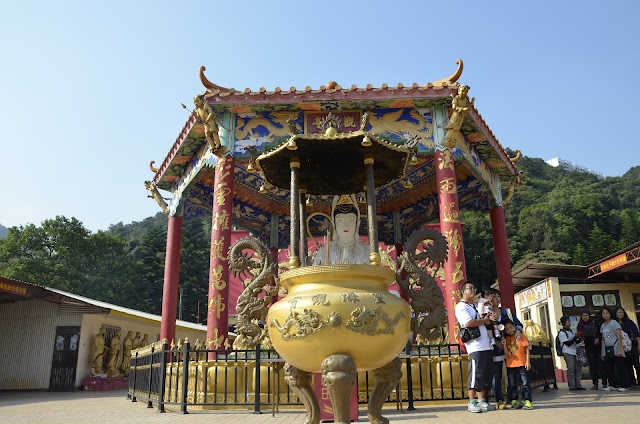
(90, 91)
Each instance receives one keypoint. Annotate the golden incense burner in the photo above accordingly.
(339, 309)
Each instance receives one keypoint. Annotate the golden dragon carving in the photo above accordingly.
(244, 130)
(391, 123)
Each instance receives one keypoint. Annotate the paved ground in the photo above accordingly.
(112, 407)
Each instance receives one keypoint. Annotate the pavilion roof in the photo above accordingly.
(191, 144)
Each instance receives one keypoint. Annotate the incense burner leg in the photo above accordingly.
(387, 378)
(339, 374)
(300, 383)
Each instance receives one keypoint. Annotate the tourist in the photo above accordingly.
(615, 365)
(504, 315)
(485, 307)
(631, 329)
(568, 342)
(518, 358)
(478, 347)
(590, 333)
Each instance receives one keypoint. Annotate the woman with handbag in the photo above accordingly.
(633, 356)
(612, 353)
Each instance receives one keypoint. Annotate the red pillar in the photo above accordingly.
(218, 304)
(450, 227)
(171, 274)
(503, 259)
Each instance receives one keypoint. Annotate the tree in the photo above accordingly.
(194, 269)
(580, 255)
(630, 228)
(543, 256)
(49, 255)
(600, 244)
(478, 247)
(149, 256)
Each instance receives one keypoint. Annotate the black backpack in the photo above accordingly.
(558, 344)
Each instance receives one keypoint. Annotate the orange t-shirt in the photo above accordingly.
(516, 351)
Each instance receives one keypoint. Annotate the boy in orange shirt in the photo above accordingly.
(518, 363)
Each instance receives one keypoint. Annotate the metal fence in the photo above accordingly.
(252, 379)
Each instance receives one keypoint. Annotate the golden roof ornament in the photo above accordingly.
(453, 78)
(211, 86)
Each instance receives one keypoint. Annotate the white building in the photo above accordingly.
(47, 334)
(571, 166)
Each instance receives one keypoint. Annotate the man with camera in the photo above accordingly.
(473, 333)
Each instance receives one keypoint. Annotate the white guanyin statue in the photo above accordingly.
(345, 246)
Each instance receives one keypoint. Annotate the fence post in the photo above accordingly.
(410, 406)
(135, 374)
(163, 377)
(256, 400)
(149, 402)
(185, 378)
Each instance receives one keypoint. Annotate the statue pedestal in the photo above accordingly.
(103, 384)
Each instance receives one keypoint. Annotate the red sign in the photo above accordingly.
(13, 288)
(613, 263)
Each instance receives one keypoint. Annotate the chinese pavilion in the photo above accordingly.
(456, 162)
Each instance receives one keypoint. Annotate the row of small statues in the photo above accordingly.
(105, 361)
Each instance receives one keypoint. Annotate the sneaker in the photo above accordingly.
(622, 389)
(515, 404)
(501, 405)
(594, 387)
(581, 388)
(486, 406)
(474, 406)
(607, 388)
(527, 405)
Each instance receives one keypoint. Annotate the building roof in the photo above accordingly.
(191, 137)
(15, 291)
(622, 266)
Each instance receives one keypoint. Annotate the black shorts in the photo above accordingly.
(480, 370)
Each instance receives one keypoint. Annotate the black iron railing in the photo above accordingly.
(253, 379)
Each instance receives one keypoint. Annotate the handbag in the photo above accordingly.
(467, 334)
(609, 352)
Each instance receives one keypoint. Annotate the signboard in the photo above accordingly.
(13, 288)
(533, 295)
(613, 263)
(574, 304)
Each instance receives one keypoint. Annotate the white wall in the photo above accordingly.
(27, 337)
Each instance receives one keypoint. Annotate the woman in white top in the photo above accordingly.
(612, 353)
(568, 341)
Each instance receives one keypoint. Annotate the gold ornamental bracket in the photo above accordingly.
(332, 163)
(453, 78)
(211, 86)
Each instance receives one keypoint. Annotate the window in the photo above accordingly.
(543, 313)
